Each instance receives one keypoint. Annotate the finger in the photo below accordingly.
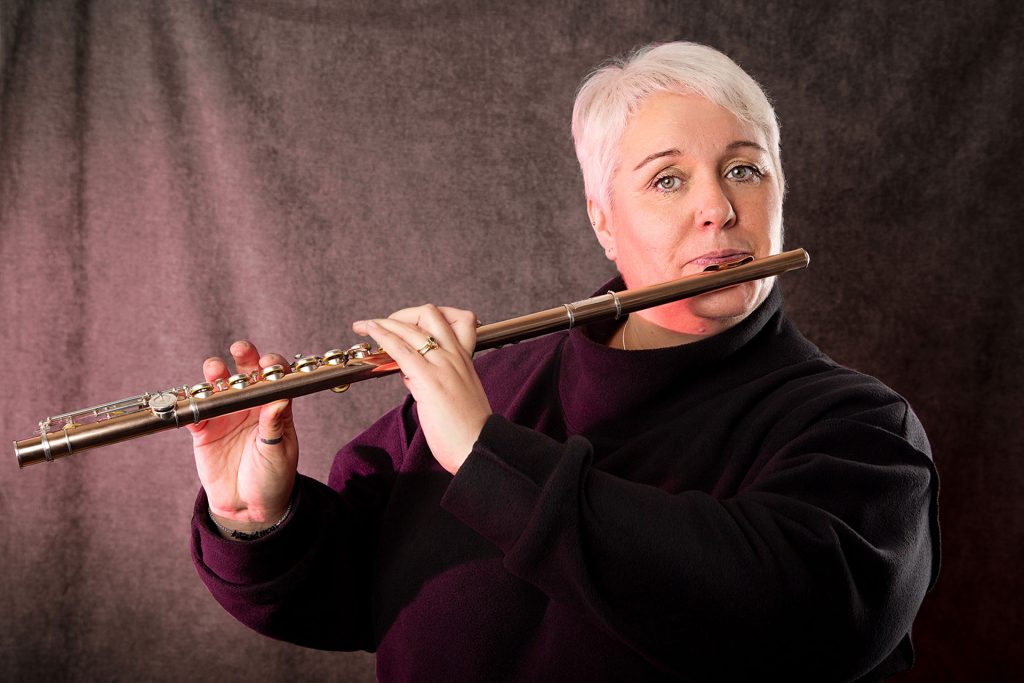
(396, 335)
(436, 324)
(383, 331)
(427, 321)
(432, 336)
(273, 420)
(410, 316)
(409, 333)
(446, 324)
(246, 357)
(269, 359)
(463, 324)
(215, 368)
(277, 359)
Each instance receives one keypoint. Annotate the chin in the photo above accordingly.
(716, 311)
(731, 304)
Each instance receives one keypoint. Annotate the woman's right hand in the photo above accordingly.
(248, 482)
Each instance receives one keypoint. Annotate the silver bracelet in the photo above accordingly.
(249, 536)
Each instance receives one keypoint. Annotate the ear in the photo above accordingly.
(602, 229)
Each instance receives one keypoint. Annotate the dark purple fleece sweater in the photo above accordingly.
(740, 508)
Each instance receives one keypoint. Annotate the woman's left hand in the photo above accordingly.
(440, 375)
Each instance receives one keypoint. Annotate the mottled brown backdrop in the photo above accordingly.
(175, 175)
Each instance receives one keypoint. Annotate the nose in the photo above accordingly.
(713, 210)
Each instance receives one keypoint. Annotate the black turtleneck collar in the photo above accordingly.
(598, 383)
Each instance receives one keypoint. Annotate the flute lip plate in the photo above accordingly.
(714, 267)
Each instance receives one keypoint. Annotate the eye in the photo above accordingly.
(744, 173)
(667, 183)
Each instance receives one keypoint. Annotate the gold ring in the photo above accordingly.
(428, 347)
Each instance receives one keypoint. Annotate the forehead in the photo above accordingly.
(689, 123)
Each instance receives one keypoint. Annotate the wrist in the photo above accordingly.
(248, 530)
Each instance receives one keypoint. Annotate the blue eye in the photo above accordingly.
(668, 183)
(744, 173)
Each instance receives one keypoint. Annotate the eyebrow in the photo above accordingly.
(745, 143)
(657, 155)
(675, 152)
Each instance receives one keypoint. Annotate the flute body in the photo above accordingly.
(109, 423)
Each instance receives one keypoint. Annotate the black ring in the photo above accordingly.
(271, 442)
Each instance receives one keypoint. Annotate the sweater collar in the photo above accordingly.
(597, 383)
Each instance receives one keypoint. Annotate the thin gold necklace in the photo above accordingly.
(624, 334)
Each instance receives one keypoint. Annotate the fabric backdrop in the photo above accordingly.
(177, 175)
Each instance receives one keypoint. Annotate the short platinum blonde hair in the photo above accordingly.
(614, 91)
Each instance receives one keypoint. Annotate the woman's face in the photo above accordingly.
(694, 186)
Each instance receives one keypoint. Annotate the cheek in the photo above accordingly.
(768, 208)
(761, 225)
(647, 258)
(649, 233)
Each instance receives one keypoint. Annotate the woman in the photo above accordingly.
(696, 493)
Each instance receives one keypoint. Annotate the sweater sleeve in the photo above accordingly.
(308, 581)
(816, 567)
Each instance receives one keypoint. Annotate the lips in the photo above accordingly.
(719, 256)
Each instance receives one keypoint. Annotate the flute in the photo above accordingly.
(148, 413)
